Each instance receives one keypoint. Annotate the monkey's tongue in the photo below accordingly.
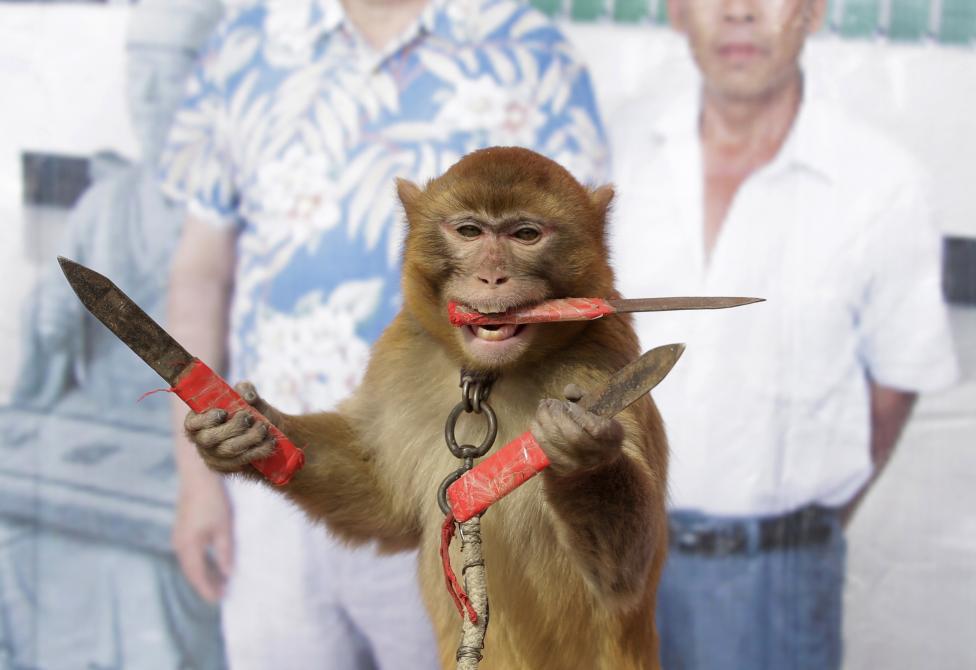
(495, 333)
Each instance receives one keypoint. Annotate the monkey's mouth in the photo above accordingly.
(496, 333)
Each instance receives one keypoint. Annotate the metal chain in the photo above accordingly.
(474, 395)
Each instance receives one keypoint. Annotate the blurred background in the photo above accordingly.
(907, 66)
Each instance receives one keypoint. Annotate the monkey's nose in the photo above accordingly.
(493, 278)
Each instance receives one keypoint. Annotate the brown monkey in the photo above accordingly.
(573, 557)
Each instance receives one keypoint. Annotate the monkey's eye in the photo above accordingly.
(468, 230)
(527, 234)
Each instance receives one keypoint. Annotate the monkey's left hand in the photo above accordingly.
(573, 439)
(228, 443)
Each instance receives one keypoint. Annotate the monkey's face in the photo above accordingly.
(503, 228)
(496, 268)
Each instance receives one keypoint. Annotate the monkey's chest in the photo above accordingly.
(420, 443)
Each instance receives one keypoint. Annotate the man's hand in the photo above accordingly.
(890, 409)
(202, 535)
(573, 439)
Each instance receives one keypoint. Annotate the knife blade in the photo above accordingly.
(521, 459)
(194, 382)
(588, 309)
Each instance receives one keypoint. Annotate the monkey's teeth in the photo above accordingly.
(497, 334)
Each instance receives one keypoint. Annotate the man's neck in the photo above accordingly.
(738, 137)
(750, 130)
(382, 21)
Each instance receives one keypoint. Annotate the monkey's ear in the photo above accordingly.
(601, 197)
(408, 192)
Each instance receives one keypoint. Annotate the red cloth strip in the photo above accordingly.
(461, 600)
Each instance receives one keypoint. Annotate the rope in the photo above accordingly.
(473, 629)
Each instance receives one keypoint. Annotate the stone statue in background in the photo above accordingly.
(87, 579)
(122, 227)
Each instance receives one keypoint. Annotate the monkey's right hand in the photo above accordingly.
(231, 443)
(573, 439)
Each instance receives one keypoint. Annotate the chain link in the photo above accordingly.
(474, 395)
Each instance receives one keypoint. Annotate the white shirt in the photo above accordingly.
(768, 409)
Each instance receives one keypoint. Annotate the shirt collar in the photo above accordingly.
(330, 15)
(809, 144)
(435, 19)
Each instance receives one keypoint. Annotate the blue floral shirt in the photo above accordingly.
(293, 130)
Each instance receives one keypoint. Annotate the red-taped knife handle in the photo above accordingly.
(563, 309)
(496, 476)
(203, 389)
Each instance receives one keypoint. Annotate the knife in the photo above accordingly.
(587, 309)
(521, 459)
(196, 384)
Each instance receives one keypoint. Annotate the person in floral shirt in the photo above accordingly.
(294, 126)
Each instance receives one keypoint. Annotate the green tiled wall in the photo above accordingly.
(958, 25)
(548, 7)
(902, 20)
(909, 19)
(586, 10)
(661, 11)
(859, 18)
(630, 11)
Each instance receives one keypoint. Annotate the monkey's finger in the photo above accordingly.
(572, 393)
(600, 428)
(241, 444)
(241, 461)
(194, 422)
(549, 423)
(555, 432)
(247, 391)
(251, 396)
(213, 436)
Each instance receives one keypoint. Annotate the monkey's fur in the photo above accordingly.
(573, 557)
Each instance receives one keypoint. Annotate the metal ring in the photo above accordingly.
(442, 490)
(474, 390)
(486, 443)
(468, 652)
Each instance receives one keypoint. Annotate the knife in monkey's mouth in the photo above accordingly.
(587, 309)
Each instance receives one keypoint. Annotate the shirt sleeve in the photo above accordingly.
(906, 342)
(196, 167)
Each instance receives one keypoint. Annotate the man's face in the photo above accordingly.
(746, 49)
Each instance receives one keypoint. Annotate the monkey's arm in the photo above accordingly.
(339, 483)
(603, 498)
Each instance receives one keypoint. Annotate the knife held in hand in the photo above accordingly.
(196, 384)
(521, 459)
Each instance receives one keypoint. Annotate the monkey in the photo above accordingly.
(573, 557)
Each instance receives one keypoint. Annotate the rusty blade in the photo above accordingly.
(632, 381)
(671, 304)
(127, 320)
